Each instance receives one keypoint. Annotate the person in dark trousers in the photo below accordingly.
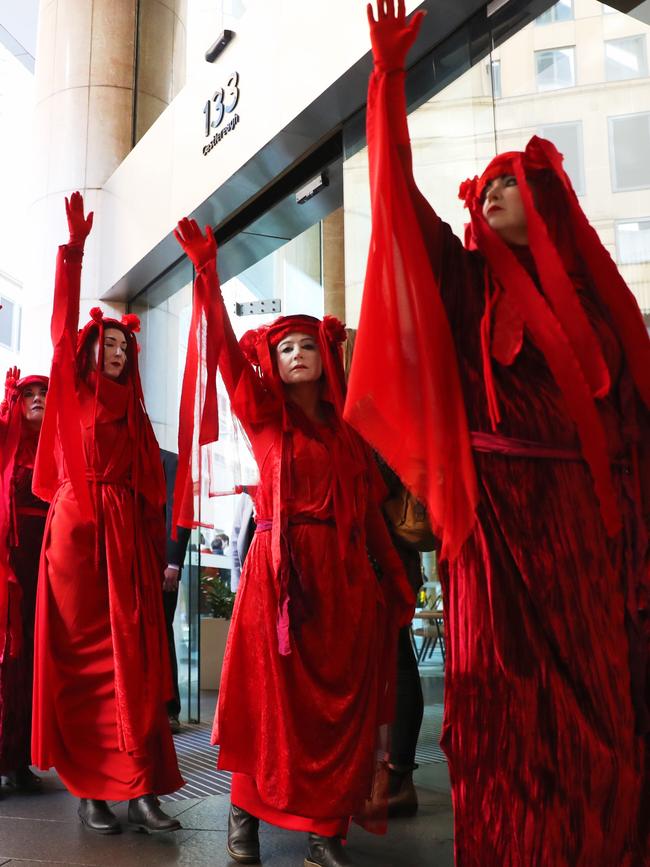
(176, 549)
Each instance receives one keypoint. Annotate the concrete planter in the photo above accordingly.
(214, 633)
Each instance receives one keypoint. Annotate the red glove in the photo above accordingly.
(200, 248)
(391, 34)
(11, 379)
(78, 225)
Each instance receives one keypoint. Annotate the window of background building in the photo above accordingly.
(629, 146)
(608, 10)
(555, 68)
(10, 324)
(562, 11)
(495, 78)
(625, 58)
(567, 138)
(632, 241)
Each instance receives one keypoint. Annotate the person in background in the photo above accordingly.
(22, 524)
(176, 550)
(243, 530)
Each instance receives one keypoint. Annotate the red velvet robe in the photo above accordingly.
(300, 730)
(544, 695)
(16, 672)
(101, 674)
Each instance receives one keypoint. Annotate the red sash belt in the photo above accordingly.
(517, 448)
(264, 525)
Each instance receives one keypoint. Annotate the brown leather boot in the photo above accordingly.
(402, 797)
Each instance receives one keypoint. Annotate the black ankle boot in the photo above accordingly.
(243, 838)
(146, 815)
(98, 816)
(326, 852)
(25, 780)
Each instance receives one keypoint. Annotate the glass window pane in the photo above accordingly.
(562, 11)
(629, 140)
(567, 138)
(625, 58)
(555, 68)
(633, 242)
(6, 322)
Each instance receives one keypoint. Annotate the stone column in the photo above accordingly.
(84, 124)
(334, 264)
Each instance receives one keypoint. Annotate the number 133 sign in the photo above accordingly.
(224, 101)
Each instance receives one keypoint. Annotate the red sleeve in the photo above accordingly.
(61, 431)
(248, 397)
(211, 345)
(404, 394)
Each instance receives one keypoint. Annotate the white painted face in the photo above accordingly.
(34, 404)
(504, 210)
(114, 352)
(299, 359)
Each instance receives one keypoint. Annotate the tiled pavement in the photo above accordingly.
(44, 830)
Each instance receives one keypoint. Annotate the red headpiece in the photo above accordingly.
(129, 324)
(566, 251)
(259, 343)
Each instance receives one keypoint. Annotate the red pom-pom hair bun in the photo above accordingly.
(96, 314)
(334, 329)
(131, 322)
(249, 341)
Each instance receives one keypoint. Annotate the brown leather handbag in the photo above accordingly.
(409, 521)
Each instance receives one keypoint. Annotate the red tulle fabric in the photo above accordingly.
(416, 421)
(101, 663)
(546, 693)
(305, 681)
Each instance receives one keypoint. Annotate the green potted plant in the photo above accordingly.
(217, 602)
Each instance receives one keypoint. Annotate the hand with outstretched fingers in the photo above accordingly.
(391, 34)
(200, 248)
(11, 380)
(78, 224)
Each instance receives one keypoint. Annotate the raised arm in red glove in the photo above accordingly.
(391, 34)
(78, 225)
(11, 379)
(200, 249)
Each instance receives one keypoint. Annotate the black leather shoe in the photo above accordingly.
(145, 814)
(326, 852)
(243, 838)
(25, 780)
(98, 816)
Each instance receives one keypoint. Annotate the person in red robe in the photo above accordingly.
(101, 674)
(22, 522)
(304, 683)
(507, 382)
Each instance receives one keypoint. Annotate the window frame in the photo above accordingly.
(538, 53)
(616, 187)
(553, 20)
(581, 189)
(623, 222)
(639, 37)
